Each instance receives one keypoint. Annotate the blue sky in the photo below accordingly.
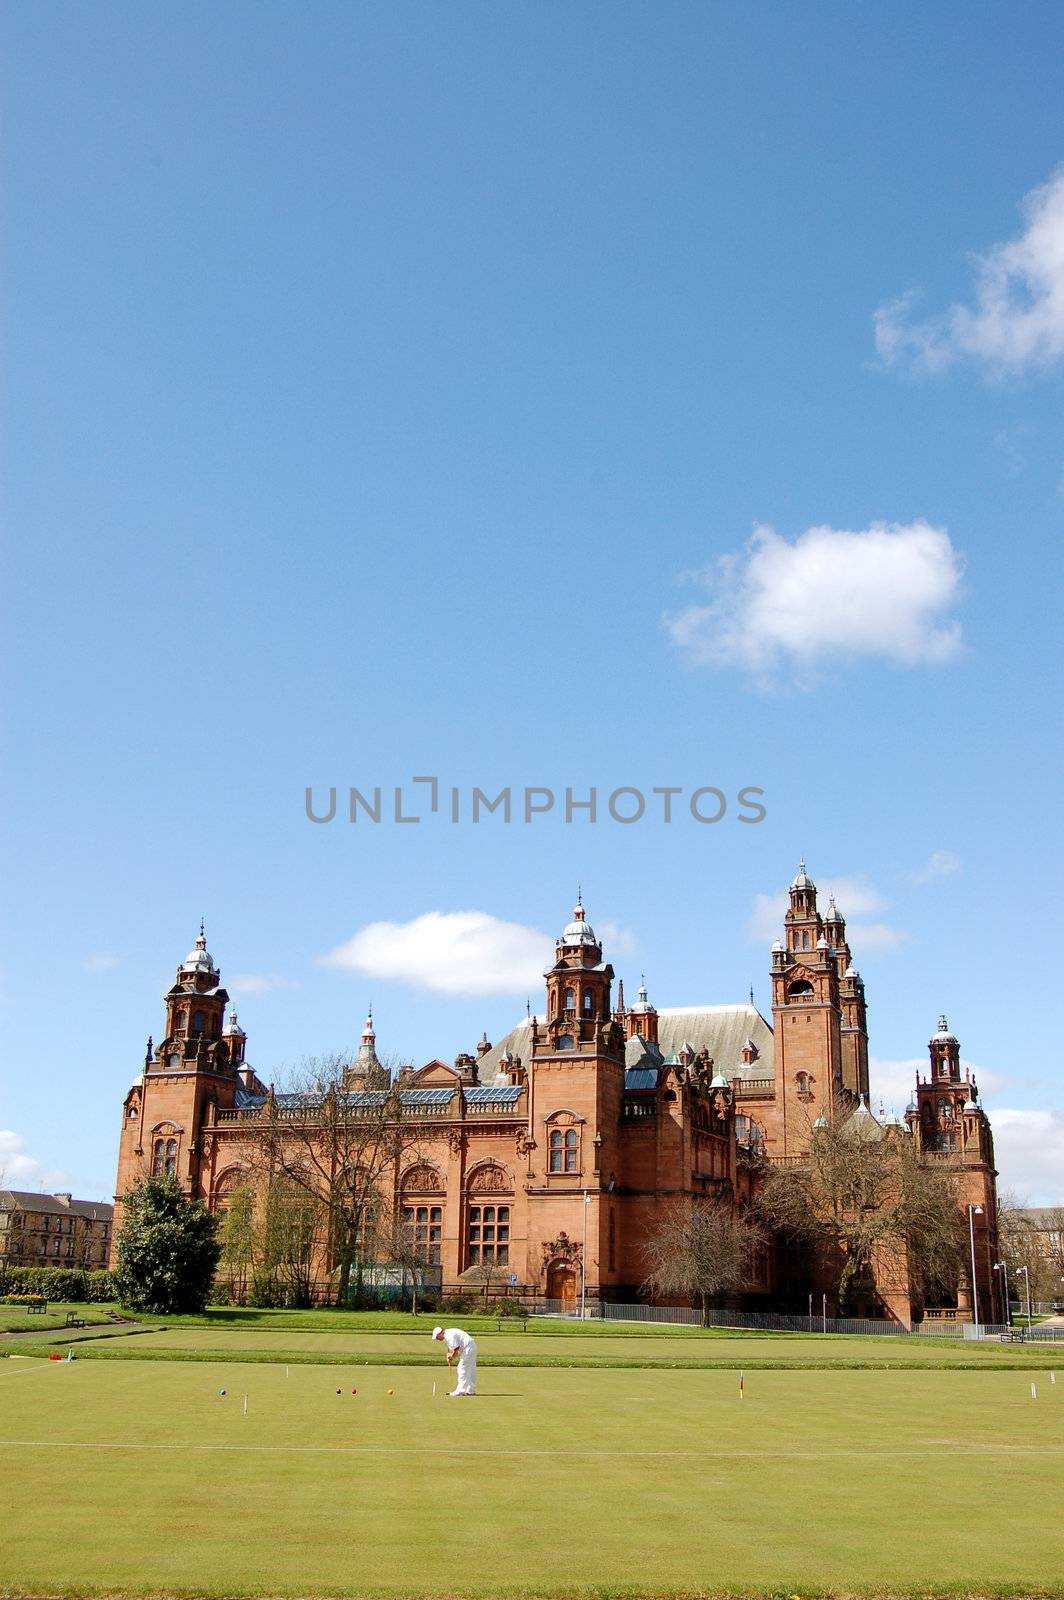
(397, 390)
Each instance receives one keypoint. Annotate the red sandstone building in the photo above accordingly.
(552, 1152)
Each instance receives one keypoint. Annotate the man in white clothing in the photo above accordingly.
(463, 1349)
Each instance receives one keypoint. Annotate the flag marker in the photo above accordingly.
(434, 1388)
(245, 1405)
(742, 1385)
(1034, 1392)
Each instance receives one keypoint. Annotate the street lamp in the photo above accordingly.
(973, 1212)
(583, 1260)
(1003, 1267)
(1027, 1281)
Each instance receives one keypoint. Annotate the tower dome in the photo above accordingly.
(943, 1032)
(579, 931)
(199, 957)
(802, 880)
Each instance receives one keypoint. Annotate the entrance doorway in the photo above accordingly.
(561, 1283)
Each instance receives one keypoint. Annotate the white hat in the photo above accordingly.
(437, 1333)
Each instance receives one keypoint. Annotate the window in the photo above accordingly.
(197, 1022)
(563, 1143)
(164, 1158)
(424, 1227)
(587, 1001)
(182, 1018)
(570, 1000)
(489, 1235)
(565, 1041)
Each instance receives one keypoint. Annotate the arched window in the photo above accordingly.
(570, 1000)
(802, 1079)
(802, 990)
(164, 1158)
(197, 1022)
(587, 1000)
(563, 1150)
(182, 1019)
(565, 1041)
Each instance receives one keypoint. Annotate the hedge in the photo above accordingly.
(67, 1284)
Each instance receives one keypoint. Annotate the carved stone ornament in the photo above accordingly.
(456, 1140)
(561, 1249)
(421, 1179)
(491, 1179)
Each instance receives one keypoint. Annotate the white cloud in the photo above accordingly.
(100, 962)
(833, 594)
(892, 1082)
(259, 983)
(940, 864)
(449, 952)
(1029, 1149)
(1016, 320)
(20, 1170)
(617, 941)
(858, 902)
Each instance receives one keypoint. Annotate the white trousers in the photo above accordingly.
(467, 1373)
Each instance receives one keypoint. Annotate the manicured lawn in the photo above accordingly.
(141, 1478)
(16, 1319)
(362, 1340)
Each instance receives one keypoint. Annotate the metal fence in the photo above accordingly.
(782, 1322)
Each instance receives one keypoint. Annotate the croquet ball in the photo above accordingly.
(221, 1391)
(339, 1391)
(354, 1391)
(391, 1391)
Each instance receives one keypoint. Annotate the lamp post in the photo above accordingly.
(1027, 1281)
(583, 1261)
(973, 1212)
(1003, 1268)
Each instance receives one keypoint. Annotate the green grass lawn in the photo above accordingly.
(363, 1340)
(16, 1319)
(139, 1478)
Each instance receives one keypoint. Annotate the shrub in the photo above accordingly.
(47, 1283)
(167, 1249)
(100, 1286)
(509, 1308)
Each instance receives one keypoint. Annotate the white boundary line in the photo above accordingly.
(1013, 1451)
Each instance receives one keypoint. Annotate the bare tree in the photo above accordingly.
(862, 1198)
(1030, 1249)
(338, 1151)
(701, 1250)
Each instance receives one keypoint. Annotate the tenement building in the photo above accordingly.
(53, 1230)
(549, 1155)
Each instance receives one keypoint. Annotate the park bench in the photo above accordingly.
(74, 1321)
(1013, 1336)
(38, 1306)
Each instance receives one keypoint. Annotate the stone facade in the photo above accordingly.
(53, 1230)
(551, 1153)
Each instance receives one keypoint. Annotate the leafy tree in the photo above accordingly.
(701, 1249)
(167, 1249)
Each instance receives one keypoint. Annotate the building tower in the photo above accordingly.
(807, 1021)
(194, 1072)
(949, 1122)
